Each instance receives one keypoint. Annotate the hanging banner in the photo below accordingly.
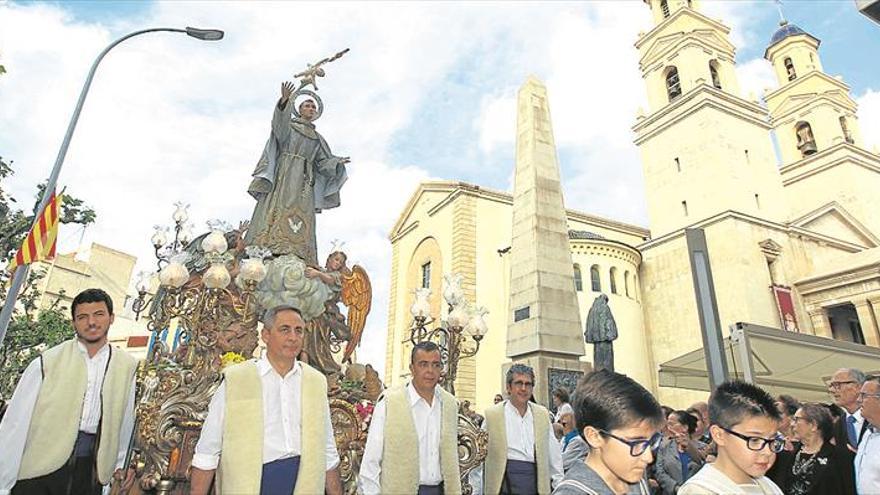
(785, 305)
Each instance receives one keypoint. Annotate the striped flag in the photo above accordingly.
(40, 242)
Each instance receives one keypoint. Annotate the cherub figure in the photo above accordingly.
(352, 288)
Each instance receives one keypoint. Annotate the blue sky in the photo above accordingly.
(427, 92)
(442, 140)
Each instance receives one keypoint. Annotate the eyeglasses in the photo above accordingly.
(863, 396)
(637, 447)
(799, 418)
(520, 383)
(757, 444)
(837, 385)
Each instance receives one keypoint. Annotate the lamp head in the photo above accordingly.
(205, 34)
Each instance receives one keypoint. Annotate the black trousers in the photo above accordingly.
(431, 489)
(76, 477)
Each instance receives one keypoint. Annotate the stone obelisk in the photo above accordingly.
(544, 327)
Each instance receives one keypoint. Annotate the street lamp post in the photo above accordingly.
(462, 321)
(21, 272)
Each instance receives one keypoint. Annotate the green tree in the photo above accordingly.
(32, 329)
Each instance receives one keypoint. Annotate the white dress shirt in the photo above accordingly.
(16, 422)
(521, 446)
(427, 419)
(282, 420)
(867, 463)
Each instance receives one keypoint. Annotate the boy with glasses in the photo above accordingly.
(745, 427)
(620, 422)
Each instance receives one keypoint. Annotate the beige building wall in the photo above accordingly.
(105, 268)
(742, 279)
(812, 226)
(426, 232)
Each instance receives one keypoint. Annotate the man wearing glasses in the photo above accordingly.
(524, 456)
(412, 446)
(867, 463)
(844, 387)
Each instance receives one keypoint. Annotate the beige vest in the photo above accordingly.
(400, 454)
(55, 423)
(496, 459)
(241, 457)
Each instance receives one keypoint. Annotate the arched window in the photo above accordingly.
(673, 85)
(613, 274)
(789, 68)
(595, 283)
(626, 283)
(846, 134)
(806, 142)
(713, 71)
(664, 7)
(578, 281)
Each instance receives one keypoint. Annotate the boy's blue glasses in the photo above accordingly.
(637, 447)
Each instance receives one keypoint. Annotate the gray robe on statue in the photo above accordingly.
(297, 176)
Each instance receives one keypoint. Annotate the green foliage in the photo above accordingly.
(29, 333)
(32, 329)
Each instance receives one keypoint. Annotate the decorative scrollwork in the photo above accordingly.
(473, 445)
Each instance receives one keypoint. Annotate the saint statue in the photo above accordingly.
(601, 331)
(296, 177)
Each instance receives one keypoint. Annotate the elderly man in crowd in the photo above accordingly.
(268, 426)
(867, 463)
(844, 386)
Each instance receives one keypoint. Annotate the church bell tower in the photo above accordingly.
(705, 149)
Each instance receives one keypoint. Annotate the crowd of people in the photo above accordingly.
(743, 441)
(268, 430)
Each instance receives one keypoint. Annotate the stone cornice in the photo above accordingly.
(456, 188)
(703, 96)
(626, 252)
(659, 28)
(731, 214)
(848, 276)
(837, 154)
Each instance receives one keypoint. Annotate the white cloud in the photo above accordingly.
(170, 117)
(755, 76)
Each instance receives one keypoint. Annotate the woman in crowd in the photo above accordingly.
(680, 457)
(562, 402)
(815, 467)
(787, 406)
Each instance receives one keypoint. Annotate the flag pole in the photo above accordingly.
(21, 271)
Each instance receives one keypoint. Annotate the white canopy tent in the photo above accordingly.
(780, 362)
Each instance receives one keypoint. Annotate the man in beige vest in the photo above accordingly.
(69, 422)
(524, 456)
(268, 427)
(412, 446)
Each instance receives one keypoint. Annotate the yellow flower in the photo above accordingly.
(231, 358)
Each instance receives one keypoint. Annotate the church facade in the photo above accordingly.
(793, 245)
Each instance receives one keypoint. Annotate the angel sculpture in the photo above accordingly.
(352, 287)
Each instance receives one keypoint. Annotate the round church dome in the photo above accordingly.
(786, 30)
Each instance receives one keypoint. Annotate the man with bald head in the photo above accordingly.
(844, 386)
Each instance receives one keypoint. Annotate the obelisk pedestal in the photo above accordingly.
(544, 328)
